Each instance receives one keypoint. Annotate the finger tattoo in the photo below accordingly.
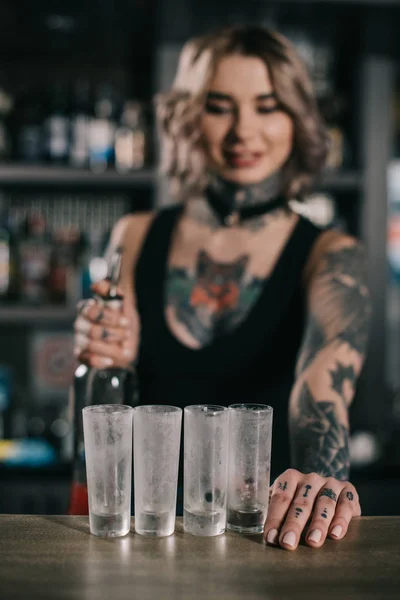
(350, 496)
(324, 514)
(282, 486)
(105, 334)
(308, 488)
(329, 493)
(298, 512)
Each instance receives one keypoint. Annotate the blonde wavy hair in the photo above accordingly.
(179, 109)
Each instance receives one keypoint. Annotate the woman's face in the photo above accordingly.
(246, 136)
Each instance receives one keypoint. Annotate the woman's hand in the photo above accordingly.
(105, 337)
(297, 498)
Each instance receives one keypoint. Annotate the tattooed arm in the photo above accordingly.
(315, 496)
(330, 359)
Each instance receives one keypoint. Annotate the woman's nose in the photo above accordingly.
(245, 124)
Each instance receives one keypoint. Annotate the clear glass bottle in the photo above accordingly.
(80, 122)
(8, 260)
(34, 250)
(111, 385)
(102, 131)
(130, 139)
(57, 126)
(30, 136)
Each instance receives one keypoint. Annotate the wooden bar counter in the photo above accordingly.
(56, 557)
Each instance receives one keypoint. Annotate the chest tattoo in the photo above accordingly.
(214, 298)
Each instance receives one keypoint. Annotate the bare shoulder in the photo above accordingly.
(129, 233)
(129, 227)
(335, 251)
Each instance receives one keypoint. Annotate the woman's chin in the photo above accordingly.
(244, 176)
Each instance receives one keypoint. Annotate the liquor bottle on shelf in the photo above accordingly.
(63, 265)
(130, 139)
(102, 131)
(80, 122)
(96, 386)
(8, 260)
(35, 249)
(57, 126)
(6, 106)
(30, 135)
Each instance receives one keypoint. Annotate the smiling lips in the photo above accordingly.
(243, 159)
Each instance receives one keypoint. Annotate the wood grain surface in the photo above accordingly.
(57, 557)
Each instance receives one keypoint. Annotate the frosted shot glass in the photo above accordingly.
(250, 434)
(157, 435)
(205, 469)
(107, 430)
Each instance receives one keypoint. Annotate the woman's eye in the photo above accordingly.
(266, 110)
(216, 109)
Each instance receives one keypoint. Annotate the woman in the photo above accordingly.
(231, 296)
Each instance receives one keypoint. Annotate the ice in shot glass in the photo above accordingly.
(157, 435)
(205, 469)
(107, 432)
(250, 434)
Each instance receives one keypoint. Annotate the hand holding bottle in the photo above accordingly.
(104, 335)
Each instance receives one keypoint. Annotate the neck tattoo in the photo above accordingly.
(233, 204)
(250, 207)
(242, 196)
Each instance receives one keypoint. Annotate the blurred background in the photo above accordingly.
(78, 149)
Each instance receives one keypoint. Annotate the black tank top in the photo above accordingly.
(254, 363)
